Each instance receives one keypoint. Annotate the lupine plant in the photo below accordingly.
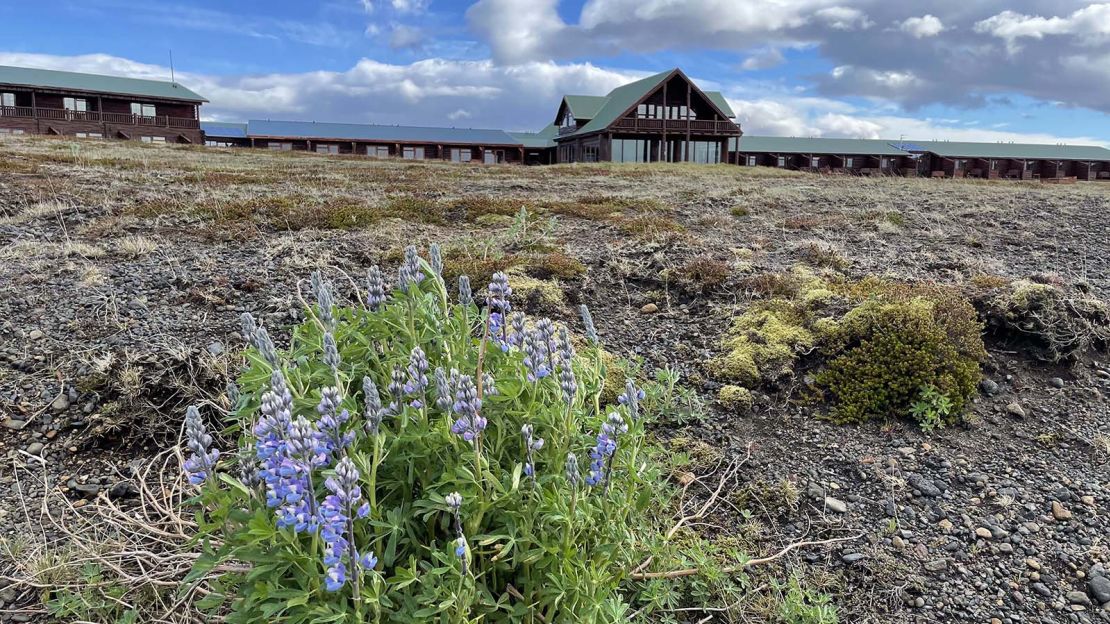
(410, 459)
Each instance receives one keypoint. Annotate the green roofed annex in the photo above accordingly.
(664, 117)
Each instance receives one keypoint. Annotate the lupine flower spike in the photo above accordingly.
(396, 389)
(466, 297)
(454, 503)
(572, 474)
(603, 451)
(331, 352)
(444, 394)
(631, 399)
(499, 308)
(232, 392)
(435, 259)
(375, 289)
(588, 323)
(248, 327)
(470, 423)
(417, 380)
(332, 420)
(325, 303)
(266, 346)
(531, 445)
(567, 382)
(409, 274)
(201, 464)
(374, 412)
(337, 515)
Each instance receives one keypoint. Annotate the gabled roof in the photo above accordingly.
(224, 130)
(721, 103)
(370, 132)
(886, 147)
(94, 83)
(584, 107)
(537, 140)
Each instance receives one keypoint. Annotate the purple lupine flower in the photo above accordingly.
(545, 334)
(470, 423)
(331, 352)
(535, 356)
(567, 382)
(516, 337)
(454, 501)
(631, 398)
(588, 322)
(531, 445)
(375, 289)
(498, 302)
(248, 469)
(337, 515)
(332, 420)
(248, 327)
(444, 394)
(374, 412)
(396, 389)
(305, 450)
(571, 470)
(202, 463)
(417, 380)
(489, 385)
(266, 346)
(603, 451)
(466, 297)
(409, 273)
(460, 552)
(325, 303)
(435, 259)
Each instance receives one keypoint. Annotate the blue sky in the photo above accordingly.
(1022, 70)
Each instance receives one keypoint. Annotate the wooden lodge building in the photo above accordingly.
(665, 117)
(39, 101)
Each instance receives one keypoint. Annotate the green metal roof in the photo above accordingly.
(537, 140)
(951, 149)
(584, 107)
(93, 83)
(719, 100)
(619, 100)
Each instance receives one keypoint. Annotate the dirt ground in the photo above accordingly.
(124, 269)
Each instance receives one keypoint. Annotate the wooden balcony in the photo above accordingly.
(566, 130)
(700, 126)
(121, 119)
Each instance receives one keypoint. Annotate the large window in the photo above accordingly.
(77, 105)
(590, 153)
(89, 135)
(782, 161)
(142, 110)
(568, 120)
(492, 157)
(278, 146)
(327, 149)
(413, 153)
(458, 154)
(378, 151)
(815, 162)
(753, 161)
(657, 111)
(7, 99)
(849, 162)
(10, 131)
(219, 144)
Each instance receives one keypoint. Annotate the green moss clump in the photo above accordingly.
(735, 398)
(763, 343)
(883, 353)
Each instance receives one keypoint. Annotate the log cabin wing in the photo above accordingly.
(39, 101)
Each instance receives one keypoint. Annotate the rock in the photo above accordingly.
(1099, 586)
(835, 505)
(123, 489)
(1078, 597)
(923, 485)
(36, 334)
(898, 542)
(649, 308)
(1033, 564)
(216, 348)
(851, 558)
(945, 525)
(1059, 512)
(1056, 382)
(1015, 410)
(937, 565)
(1088, 500)
(988, 387)
(35, 448)
(1042, 590)
(983, 533)
(15, 424)
(61, 403)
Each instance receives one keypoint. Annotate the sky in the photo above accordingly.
(975, 70)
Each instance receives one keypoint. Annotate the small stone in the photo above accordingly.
(36, 335)
(1056, 382)
(988, 387)
(937, 565)
(15, 424)
(35, 448)
(945, 525)
(216, 348)
(1015, 410)
(1088, 500)
(898, 542)
(1042, 590)
(835, 505)
(61, 403)
(1059, 512)
(1078, 597)
(649, 308)
(851, 558)
(983, 533)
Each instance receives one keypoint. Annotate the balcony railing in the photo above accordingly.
(123, 119)
(566, 130)
(678, 125)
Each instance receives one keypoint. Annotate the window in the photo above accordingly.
(590, 153)
(278, 146)
(815, 162)
(782, 161)
(849, 162)
(458, 154)
(413, 153)
(493, 157)
(153, 139)
(76, 105)
(753, 161)
(10, 131)
(90, 135)
(327, 149)
(378, 151)
(219, 144)
(1028, 165)
(884, 163)
(7, 99)
(568, 120)
(142, 110)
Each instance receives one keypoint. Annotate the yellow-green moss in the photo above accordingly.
(543, 292)
(735, 398)
(763, 343)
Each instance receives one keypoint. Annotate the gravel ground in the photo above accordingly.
(121, 283)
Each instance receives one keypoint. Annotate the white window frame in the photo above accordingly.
(782, 161)
(377, 151)
(141, 109)
(412, 152)
(89, 135)
(815, 162)
(327, 148)
(153, 139)
(7, 99)
(849, 162)
(75, 104)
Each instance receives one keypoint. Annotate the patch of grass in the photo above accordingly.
(821, 254)
(704, 273)
(136, 246)
(601, 208)
(740, 211)
(555, 264)
(292, 212)
(650, 226)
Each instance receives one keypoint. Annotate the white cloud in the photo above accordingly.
(461, 113)
(404, 36)
(922, 27)
(844, 18)
(517, 30)
(1091, 23)
(764, 59)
